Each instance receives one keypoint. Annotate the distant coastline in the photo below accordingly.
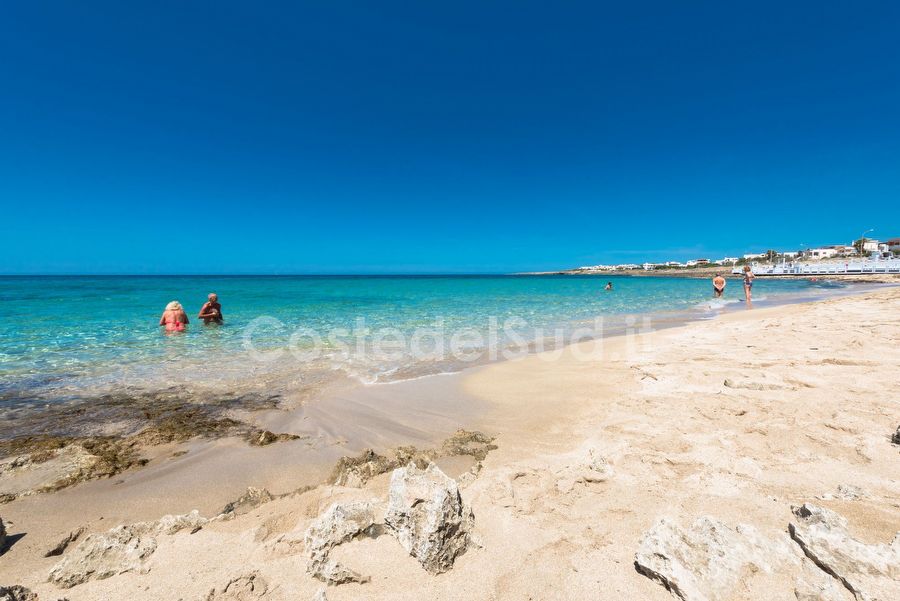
(683, 272)
(709, 271)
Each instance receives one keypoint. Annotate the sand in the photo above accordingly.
(737, 418)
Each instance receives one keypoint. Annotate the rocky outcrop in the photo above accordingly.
(62, 545)
(896, 437)
(815, 585)
(253, 498)
(243, 588)
(51, 463)
(870, 572)
(427, 515)
(356, 471)
(16, 593)
(339, 524)
(2, 536)
(705, 561)
(119, 550)
(170, 524)
(263, 438)
(122, 549)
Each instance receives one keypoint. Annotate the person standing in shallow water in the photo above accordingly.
(174, 318)
(718, 285)
(748, 282)
(211, 311)
(608, 286)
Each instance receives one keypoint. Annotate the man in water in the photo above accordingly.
(211, 312)
(608, 286)
(718, 285)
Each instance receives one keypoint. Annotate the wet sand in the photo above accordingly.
(207, 474)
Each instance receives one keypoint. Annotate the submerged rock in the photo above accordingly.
(119, 550)
(870, 572)
(339, 524)
(705, 561)
(427, 515)
(16, 593)
(52, 463)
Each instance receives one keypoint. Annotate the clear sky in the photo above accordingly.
(386, 137)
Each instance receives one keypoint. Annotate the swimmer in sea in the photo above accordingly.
(608, 286)
(718, 285)
(174, 318)
(211, 311)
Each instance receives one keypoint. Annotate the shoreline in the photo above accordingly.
(515, 401)
(318, 431)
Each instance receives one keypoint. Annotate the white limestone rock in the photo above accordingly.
(706, 561)
(870, 572)
(119, 550)
(122, 549)
(815, 585)
(427, 515)
(339, 524)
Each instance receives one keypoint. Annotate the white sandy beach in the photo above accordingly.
(737, 420)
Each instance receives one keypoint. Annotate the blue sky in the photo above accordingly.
(345, 137)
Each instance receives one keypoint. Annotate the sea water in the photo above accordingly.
(71, 338)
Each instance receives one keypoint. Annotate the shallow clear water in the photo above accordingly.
(71, 337)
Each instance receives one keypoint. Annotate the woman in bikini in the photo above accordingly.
(748, 282)
(174, 318)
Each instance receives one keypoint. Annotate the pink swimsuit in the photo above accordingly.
(173, 323)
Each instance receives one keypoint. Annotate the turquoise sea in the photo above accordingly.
(71, 338)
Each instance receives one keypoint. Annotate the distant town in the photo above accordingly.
(861, 248)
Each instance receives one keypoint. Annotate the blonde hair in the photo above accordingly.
(746, 268)
(174, 306)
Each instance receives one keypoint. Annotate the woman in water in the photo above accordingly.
(748, 282)
(174, 318)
